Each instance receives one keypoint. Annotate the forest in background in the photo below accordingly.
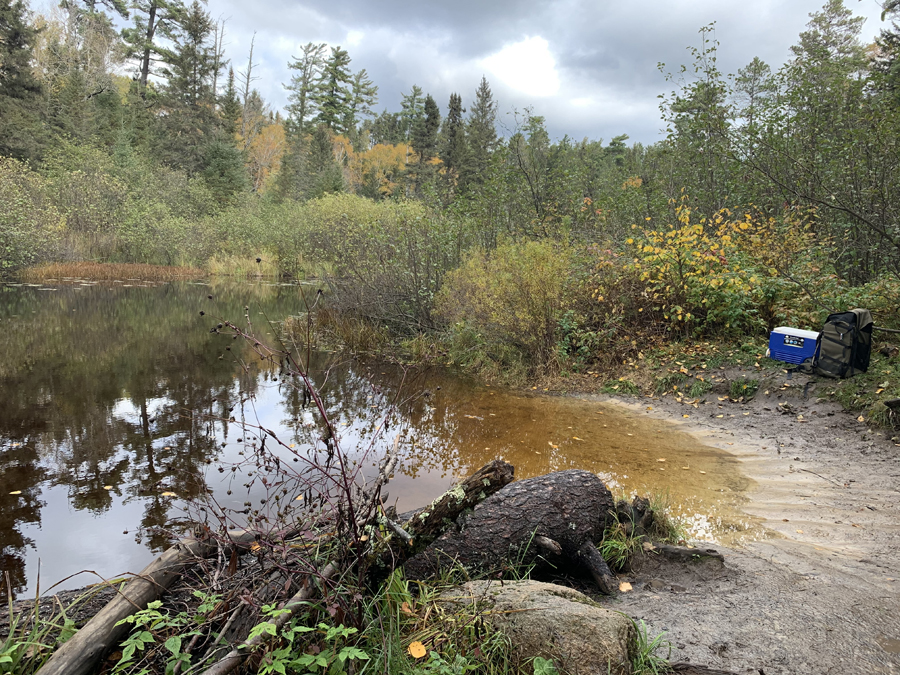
(773, 199)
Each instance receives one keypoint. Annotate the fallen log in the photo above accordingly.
(442, 514)
(527, 522)
(82, 652)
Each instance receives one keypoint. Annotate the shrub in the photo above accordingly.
(30, 226)
(516, 295)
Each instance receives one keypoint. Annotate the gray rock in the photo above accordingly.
(554, 622)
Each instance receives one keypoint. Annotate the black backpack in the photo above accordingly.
(845, 344)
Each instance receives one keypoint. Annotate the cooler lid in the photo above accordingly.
(797, 332)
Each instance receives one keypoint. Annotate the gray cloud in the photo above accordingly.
(606, 52)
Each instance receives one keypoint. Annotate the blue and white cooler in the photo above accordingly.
(792, 345)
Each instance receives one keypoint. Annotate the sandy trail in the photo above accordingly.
(820, 592)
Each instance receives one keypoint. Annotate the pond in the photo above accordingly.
(119, 401)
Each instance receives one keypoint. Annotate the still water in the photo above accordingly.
(118, 404)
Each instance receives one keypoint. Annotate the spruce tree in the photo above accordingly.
(453, 137)
(482, 134)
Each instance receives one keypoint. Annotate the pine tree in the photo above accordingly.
(153, 20)
(21, 134)
(333, 96)
(304, 87)
(363, 95)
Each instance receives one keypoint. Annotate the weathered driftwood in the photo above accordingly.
(81, 653)
(237, 656)
(553, 519)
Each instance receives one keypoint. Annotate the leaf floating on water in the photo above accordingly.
(720, 415)
(298, 498)
(624, 587)
(416, 650)
(685, 415)
(168, 494)
(107, 487)
(16, 492)
(168, 447)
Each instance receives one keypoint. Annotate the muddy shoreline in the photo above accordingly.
(821, 592)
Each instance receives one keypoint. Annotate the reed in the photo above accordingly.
(109, 271)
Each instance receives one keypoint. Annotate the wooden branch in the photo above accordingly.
(80, 654)
(236, 656)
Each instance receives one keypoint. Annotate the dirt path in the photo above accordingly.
(821, 592)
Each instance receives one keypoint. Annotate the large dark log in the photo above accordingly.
(441, 514)
(554, 519)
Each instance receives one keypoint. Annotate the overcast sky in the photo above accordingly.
(588, 66)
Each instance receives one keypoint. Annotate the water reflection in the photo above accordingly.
(117, 404)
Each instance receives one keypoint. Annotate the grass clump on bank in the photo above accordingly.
(110, 271)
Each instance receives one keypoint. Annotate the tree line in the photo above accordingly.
(171, 164)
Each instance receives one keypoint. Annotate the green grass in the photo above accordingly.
(699, 388)
(646, 660)
(31, 639)
(745, 388)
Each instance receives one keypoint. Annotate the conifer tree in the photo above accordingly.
(453, 137)
(303, 87)
(153, 20)
(21, 134)
(482, 133)
(333, 96)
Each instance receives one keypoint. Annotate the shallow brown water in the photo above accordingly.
(116, 404)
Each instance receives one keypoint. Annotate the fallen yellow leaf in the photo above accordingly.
(685, 415)
(860, 419)
(575, 438)
(624, 587)
(107, 487)
(298, 498)
(417, 650)
(168, 494)
(16, 492)
(799, 531)
(661, 459)
(405, 609)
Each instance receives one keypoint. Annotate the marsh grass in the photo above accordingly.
(110, 271)
(264, 265)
